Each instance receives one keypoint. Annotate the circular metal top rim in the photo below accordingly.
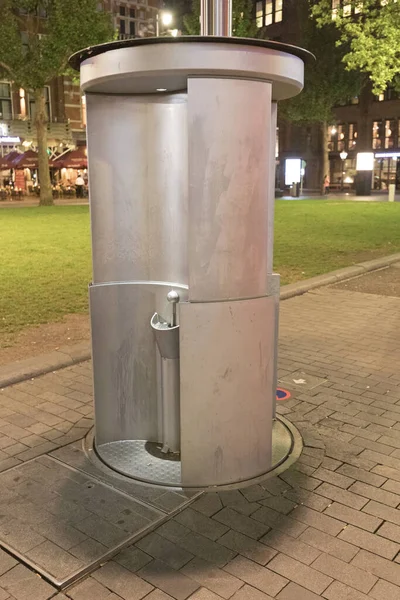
(79, 57)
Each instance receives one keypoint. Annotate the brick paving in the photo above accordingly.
(329, 527)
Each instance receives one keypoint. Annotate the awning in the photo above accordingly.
(27, 160)
(74, 159)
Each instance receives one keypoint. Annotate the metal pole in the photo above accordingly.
(216, 17)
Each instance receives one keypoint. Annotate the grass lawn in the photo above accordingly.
(45, 263)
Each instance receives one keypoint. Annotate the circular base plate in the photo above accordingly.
(137, 460)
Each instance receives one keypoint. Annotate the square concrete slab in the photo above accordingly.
(62, 522)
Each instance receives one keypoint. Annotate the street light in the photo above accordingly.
(166, 19)
(343, 155)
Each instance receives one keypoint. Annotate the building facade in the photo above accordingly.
(366, 124)
(65, 104)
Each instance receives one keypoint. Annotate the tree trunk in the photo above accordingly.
(46, 194)
(325, 154)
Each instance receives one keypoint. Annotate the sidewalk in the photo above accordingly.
(327, 528)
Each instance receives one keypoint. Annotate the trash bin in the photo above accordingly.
(295, 190)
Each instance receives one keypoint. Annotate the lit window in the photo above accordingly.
(352, 135)
(273, 11)
(341, 138)
(278, 10)
(335, 8)
(5, 101)
(390, 126)
(269, 15)
(346, 9)
(377, 135)
(259, 14)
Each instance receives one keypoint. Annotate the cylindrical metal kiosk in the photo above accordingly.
(181, 147)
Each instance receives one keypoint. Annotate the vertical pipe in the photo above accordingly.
(216, 17)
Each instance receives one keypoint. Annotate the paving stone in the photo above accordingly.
(250, 593)
(132, 558)
(340, 591)
(102, 531)
(60, 532)
(88, 550)
(274, 519)
(388, 472)
(363, 443)
(201, 524)
(370, 491)
(390, 532)
(208, 504)
(310, 499)
(300, 573)
(382, 511)
(331, 464)
(296, 479)
(334, 478)
(89, 589)
(346, 573)
(355, 517)
(7, 562)
(241, 523)
(257, 576)
(121, 581)
(161, 548)
(280, 504)
(247, 547)
(200, 546)
(18, 535)
(392, 486)
(380, 567)
(54, 560)
(212, 578)
(317, 520)
(172, 582)
(369, 541)
(381, 459)
(255, 493)
(23, 584)
(361, 475)
(173, 531)
(290, 546)
(159, 595)
(295, 592)
(342, 496)
(384, 590)
(329, 544)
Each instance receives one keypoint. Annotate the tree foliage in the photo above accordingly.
(369, 30)
(52, 31)
(36, 39)
(327, 83)
(243, 24)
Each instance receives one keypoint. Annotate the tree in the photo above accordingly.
(327, 83)
(243, 24)
(54, 29)
(370, 32)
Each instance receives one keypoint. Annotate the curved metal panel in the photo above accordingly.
(138, 187)
(229, 170)
(227, 351)
(124, 358)
(142, 69)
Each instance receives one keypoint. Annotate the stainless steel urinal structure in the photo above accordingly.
(184, 303)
